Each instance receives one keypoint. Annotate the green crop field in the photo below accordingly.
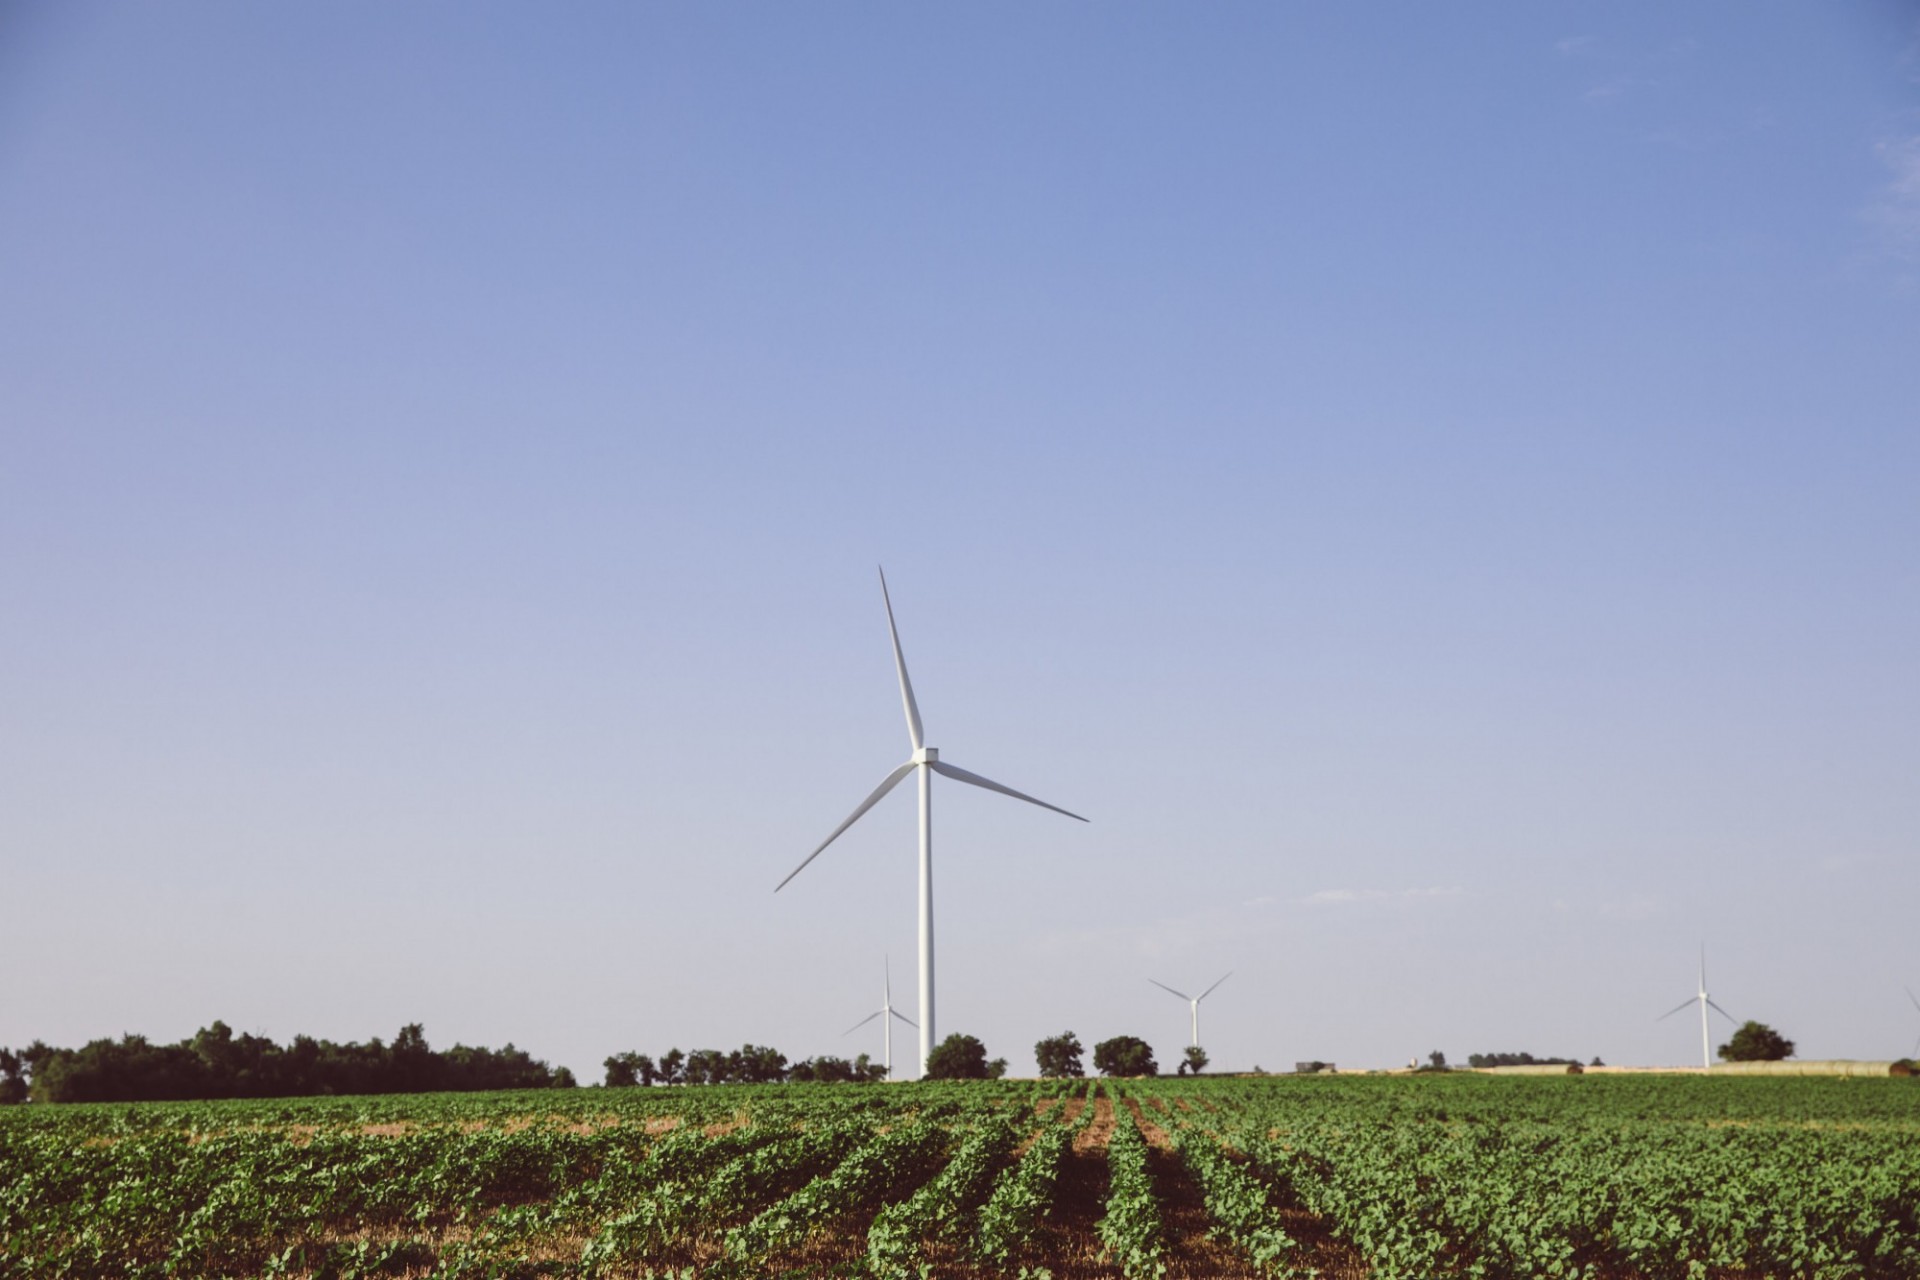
(1345, 1176)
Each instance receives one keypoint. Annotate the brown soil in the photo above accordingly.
(392, 1129)
(1156, 1136)
(1099, 1129)
(738, 1121)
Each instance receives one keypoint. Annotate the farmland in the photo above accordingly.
(1342, 1176)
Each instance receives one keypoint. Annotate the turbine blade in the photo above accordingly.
(863, 1022)
(914, 730)
(1913, 997)
(1684, 1004)
(1164, 987)
(893, 780)
(1209, 991)
(904, 1018)
(961, 775)
(1722, 1012)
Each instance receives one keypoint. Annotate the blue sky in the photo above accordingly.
(1439, 488)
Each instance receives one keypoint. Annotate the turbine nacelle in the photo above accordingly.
(925, 755)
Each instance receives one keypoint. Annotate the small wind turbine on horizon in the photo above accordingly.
(925, 761)
(1193, 1002)
(888, 1013)
(1706, 1002)
(1916, 1005)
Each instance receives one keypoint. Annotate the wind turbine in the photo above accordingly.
(1916, 1005)
(925, 761)
(887, 1012)
(1706, 1002)
(1193, 1002)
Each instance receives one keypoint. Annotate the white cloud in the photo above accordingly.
(1608, 90)
(1896, 213)
(1571, 46)
(1644, 907)
(1345, 897)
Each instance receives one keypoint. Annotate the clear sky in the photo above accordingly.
(1438, 486)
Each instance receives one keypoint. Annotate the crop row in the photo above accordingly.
(1443, 1177)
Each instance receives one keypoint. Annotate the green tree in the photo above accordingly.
(627, 1069)
(1194, 1060)
(958, 1057)
(1125, 1056)
(1059, 1056)
(1756, 1042)
(13, 1078)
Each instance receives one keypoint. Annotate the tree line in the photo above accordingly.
(1521, 1060)
(216, 1063)
(749, 1064)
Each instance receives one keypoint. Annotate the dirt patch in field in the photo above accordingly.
(738, 1120)
(1072, 1246)
(1156, 1136)
(1099, 1129)
(389, 1129)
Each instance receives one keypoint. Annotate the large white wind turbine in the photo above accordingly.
(887, 1013)
(1706, 1002)
(925, 761)
(1193, 1002)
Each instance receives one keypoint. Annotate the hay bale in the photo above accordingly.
(1830, 1067)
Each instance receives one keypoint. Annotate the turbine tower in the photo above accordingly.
(887, 1012)
(925, 762)
(1193, 1002)
(1705, 1002)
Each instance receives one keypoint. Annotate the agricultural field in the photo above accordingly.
(1615, 1177)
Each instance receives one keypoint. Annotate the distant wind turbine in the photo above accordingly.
(887, 1013)
(1916, 1005)
(1193, 1002)
(1706, 1002)
(926, 762)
